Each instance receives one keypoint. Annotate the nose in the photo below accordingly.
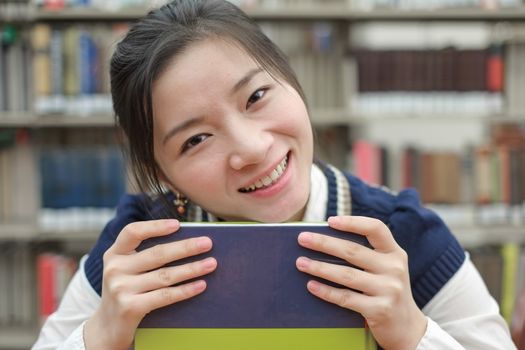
(250, 145)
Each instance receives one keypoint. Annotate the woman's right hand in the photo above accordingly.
(135, 283)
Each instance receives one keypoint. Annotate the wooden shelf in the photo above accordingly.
(452, 14)
(17, 338)
(31, 120)
(89, 14)
(476, 236)
(445, 117)
(330, 12)
(17, 231)
(469, 236)
(318, 118)
(31, 232)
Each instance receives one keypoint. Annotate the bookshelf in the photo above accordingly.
(470, 236)
(333, 30)
(286, 12)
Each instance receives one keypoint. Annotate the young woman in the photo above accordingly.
(218, 129)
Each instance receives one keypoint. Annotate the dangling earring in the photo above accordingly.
(180, 203)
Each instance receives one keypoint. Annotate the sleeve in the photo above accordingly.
(463, 315)
(64, 328)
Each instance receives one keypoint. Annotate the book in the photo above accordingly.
(53, 273)
(41, 44)
(367, 161)
(256, 298)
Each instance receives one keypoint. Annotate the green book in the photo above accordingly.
(256, 299)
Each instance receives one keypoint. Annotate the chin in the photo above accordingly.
(279, 214)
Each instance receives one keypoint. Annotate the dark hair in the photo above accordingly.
(150, 46)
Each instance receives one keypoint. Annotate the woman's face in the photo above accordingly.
(230, 137)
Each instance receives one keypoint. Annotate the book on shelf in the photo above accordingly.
(426, 81)
(17, 296)
(19, 200)
(256, 298)
(510, 255)
(80, 186)
(502, 268)
(332, 145)
(363, 5)
(411, 5)
(316, 52)
(71, 67)
(489, 262)
(515, 74)
(15, 68)
(481, 183)
(423, 69)
(440, 178)
(53, 273)
(367, 161)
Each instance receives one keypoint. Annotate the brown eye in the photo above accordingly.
(256, 96)
(194, 141)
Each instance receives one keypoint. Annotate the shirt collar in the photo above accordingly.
(317, 201)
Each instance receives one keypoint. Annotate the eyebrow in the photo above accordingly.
(245, 80)
(190, 122)
(184, 125)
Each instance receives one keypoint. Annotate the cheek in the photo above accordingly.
(295, 117)
(199, 177)
(297, 123)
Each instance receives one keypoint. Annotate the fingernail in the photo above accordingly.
(203, 243)
(305, 237)
(314, 286)
(172, 223)
(333, 219)
(199, 286)
(209, 264)
(303, 263)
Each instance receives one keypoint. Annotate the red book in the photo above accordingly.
(46, 270)
(495, 69)
(504, 168)
(367, 161)
(54, 4)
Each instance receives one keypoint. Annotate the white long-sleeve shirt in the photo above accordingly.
(462, 315)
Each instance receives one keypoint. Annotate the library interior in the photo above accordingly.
(401, 93)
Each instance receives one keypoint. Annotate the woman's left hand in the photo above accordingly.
(378, 285)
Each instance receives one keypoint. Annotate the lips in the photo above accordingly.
(269, 179)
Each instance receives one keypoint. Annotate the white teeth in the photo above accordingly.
(266, 181)
(269, 179)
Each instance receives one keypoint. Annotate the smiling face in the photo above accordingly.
(230, 137)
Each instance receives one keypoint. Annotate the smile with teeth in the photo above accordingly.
(268, 179)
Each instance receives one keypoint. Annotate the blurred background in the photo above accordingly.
(404, 93)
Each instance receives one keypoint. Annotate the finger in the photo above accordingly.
(166, 296)
(344, 275)
(377, 233)
(342, 297)
(133, 234)
(169, 276)
(162, 254)
(352, 252)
